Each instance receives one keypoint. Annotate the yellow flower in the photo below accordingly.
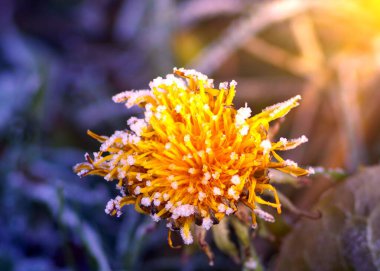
(194, 158)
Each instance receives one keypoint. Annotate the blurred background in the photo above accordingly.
(62, 60)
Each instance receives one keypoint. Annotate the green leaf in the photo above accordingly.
(241, 231)
(221, 234)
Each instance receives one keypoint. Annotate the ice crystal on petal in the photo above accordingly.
(207, 223)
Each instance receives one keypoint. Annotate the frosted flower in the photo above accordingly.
(170, 164)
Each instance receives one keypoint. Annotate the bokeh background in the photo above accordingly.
(62, 60)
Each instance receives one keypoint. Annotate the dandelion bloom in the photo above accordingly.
(193, 158)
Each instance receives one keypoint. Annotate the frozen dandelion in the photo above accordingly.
(193, 154)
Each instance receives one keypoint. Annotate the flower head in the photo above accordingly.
(193, 158)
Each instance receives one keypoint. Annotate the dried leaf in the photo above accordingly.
(347, 237)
